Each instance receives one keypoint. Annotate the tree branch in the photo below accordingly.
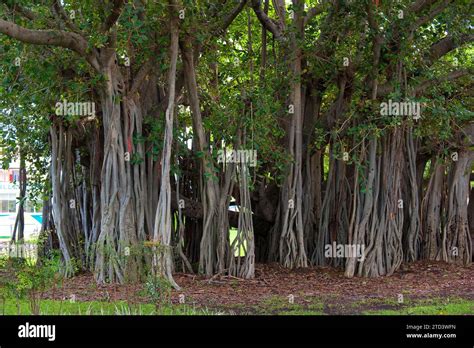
(230, 17)
(58, 7)
(388, 88)
(141, 75)
(59, 38)
(453, 75)
(114, 15)
(266, 21)
(446, 45)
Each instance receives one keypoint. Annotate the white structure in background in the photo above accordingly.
(9, 193)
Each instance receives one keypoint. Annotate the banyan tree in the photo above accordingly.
(359, 114)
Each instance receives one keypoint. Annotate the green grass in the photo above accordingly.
(381, 301)
(232, 236)
(53, 307)
(276, 305)
(430, 307)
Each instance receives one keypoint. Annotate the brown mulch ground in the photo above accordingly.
(415, 281)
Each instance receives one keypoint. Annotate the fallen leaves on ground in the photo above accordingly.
(418, 280)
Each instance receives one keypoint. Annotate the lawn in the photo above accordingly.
(432, 288)
(434, 306)
(272, 306)
(55, 307)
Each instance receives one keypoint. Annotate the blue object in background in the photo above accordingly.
(38, 217)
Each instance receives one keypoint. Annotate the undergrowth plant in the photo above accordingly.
(23, 278)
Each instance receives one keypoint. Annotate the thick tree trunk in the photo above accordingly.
(65, 206)
(383, 251)
(412, 236)
(432, 211)
(244, 265)
(312, 199)
(122, 186)
(456, 239)
(364, 204)
(163, 256)
(471, 220)
(215, 215)
(334, 212)
(292, 251)
(91, 196)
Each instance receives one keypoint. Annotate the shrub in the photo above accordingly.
(23, 278)
(159, 290)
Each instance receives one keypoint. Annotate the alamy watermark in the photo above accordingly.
(66, 108)
(238, 157)
(345, 250)
(37, 331)
(401, 108)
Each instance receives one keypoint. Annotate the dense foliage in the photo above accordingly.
(359, 113)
